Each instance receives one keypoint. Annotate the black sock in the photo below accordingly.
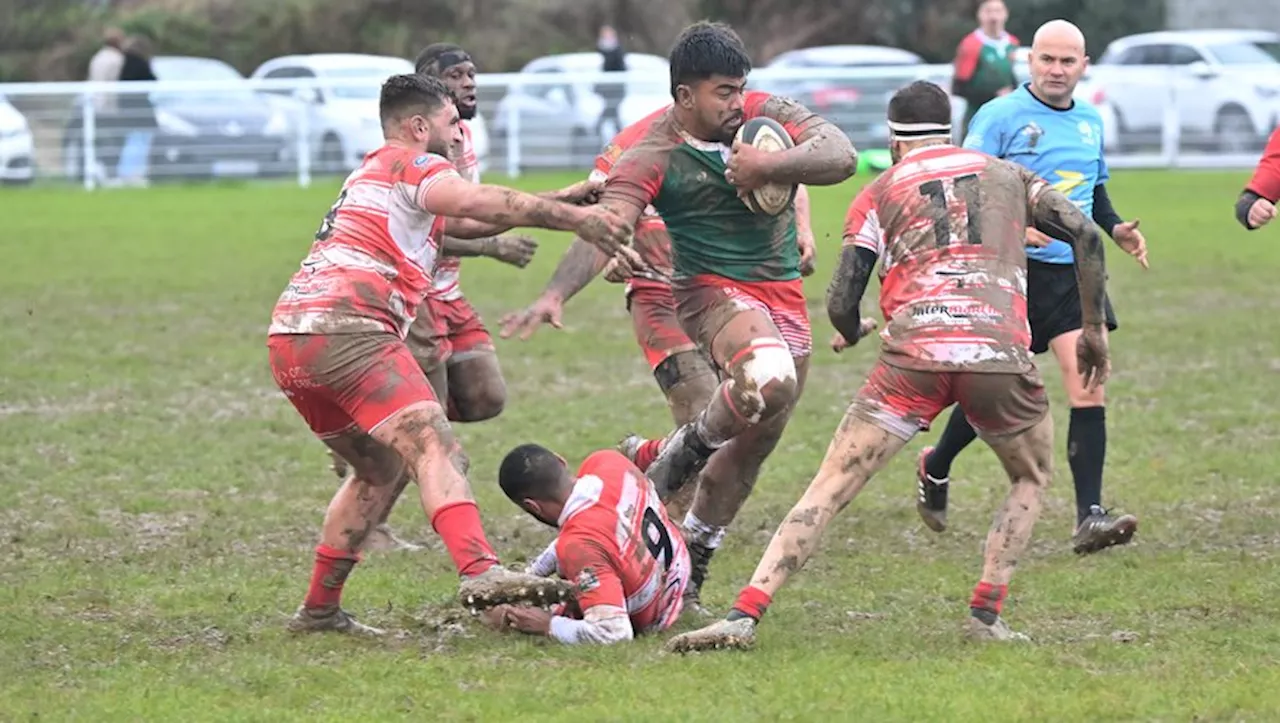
(1087, 452)
(957, 435)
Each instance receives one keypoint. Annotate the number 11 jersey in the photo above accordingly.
(949, 227)
(618, 545)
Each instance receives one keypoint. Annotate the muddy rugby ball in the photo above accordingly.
(767, 135)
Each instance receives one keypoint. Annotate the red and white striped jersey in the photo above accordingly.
(372, 260)
(617, 543)
(448, 278)
(949, 226)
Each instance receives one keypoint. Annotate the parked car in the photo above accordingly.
(17, 148)
(342, 113)
(560, 122)
(198, 133)
(1224, 84)
(857, 105)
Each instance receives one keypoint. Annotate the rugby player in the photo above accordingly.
(616, 544)
(1041, 127)
(1256, 206)
(947, 226)
(337, 349)
(736, 275)
(683, 373)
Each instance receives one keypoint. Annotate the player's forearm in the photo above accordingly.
(1104, 213)
(580, 264)
(804, 223)
(469, 247)
(1060, 218)
(848, 285)
(824, 157)
(506, 208)
(597, 628)
(545, 564)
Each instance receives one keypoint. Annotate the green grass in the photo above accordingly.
(160, 499)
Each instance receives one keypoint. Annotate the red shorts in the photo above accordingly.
(344, 382)
(447, 330)
(657, 328)
(706, 303)
(905, 401)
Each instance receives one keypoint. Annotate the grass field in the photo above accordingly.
(161, 499)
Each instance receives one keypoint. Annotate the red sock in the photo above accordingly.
(648, 452)
(458, 524)
(989, 597)
(328, 577)
(752, 602)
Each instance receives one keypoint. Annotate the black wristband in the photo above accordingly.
(1243, 204)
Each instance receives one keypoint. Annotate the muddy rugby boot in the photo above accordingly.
(679, 462)
(1101, 530)
(984, 625)
(335, 620)
(737, 634)
(500, 586)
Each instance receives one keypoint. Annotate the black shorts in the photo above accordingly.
(1053, 303)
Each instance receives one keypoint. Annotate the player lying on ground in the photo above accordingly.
(626, 559)
(736, 276)
(448, 338)
(683, 373)
(947, 226)
(1041, 126)
(1256, 206)
(337, 344)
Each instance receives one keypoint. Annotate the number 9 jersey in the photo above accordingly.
(620, 548)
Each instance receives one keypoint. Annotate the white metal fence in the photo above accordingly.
(99, 134)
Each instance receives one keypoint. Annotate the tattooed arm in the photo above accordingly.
(848, 284)
(823, 154)
(579, 265)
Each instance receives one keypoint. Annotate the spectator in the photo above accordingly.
(984, 61)
(138, 114)
(615, 61)
(105, 67)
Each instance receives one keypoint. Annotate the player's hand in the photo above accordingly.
(546, 310)
(839, 343)
(515, 249)
(494, 618)
(582, 193)
(626, 264)
(1261, 213)
(1093, 357)
(1037, 238)
(1130, 239)
(808, 253)
(529, 620)
(747, 167)
(605, 230)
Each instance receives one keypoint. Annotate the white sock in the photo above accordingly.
(698, 532)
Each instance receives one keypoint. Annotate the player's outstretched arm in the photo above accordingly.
(514, 249)
(579, 265)
(823, 154)
(458, 200)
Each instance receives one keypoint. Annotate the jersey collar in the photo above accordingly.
(1026, 89)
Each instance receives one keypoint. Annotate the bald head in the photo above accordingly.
(1059, 33)
(1057, 62)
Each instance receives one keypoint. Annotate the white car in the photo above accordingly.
(1224, 84)
(17, 148)
(559, 122)
(342, 113)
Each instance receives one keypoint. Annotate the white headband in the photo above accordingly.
(918, 131)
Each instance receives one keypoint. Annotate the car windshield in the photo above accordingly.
(202, 70)
(374, 74)
(1257, 53)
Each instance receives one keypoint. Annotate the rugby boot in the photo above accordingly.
(739, 634)
(334, 620)
(681, 459)
(985, 625)
(1101, 530)
(500, 586)
(931, 503)
(700, 559)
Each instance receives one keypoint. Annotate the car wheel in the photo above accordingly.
(330, 160)
(1234, 130)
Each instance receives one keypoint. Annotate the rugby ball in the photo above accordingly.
(767, 135)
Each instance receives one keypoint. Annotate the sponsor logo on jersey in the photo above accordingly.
(587, 580)
(422, 161)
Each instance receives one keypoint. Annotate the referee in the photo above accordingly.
(1041, 127)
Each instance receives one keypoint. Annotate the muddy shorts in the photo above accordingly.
(706, 303)
(656, 325)
(344, 382)
(904, 401)
(447, 331)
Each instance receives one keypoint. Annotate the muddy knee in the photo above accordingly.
(477, 391)
(765, 381)
(688, 381)
(372, 462)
